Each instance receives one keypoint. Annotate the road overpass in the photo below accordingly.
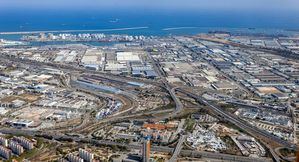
(178, 149)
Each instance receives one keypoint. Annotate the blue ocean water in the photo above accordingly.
(156, 22)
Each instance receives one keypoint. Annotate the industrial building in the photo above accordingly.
(93, 59)
(20, 123)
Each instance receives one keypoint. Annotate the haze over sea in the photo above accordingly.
(153, 22)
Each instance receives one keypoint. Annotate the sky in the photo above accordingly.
(266, 5)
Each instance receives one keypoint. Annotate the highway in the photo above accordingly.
(189, 153)
(178, 104)
(71, 69)
(179, 107)
(178, 149)
(237, 121)
(171, 90)
(280, 52)
(128, 105)
(242, 124)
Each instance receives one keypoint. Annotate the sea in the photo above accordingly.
(148, 23)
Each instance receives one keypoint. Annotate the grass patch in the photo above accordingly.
(189, 125)
(29, 153)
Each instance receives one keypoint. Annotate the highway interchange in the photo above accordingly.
(260, 134)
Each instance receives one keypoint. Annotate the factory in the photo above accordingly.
(93, 59)
(249, 146)
(20, 123)
(124, 57)
(66, 56)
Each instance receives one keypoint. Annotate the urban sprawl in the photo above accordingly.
(206, 97)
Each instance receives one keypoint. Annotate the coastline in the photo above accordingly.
(73, 31)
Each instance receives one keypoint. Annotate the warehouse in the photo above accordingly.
(127, 56)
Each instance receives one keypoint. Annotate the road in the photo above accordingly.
(178, 104)
(280, 52)
(189, 153)
(171, 90)
(71, 69)
(178, 149)
(179, 107)
(258, 133)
